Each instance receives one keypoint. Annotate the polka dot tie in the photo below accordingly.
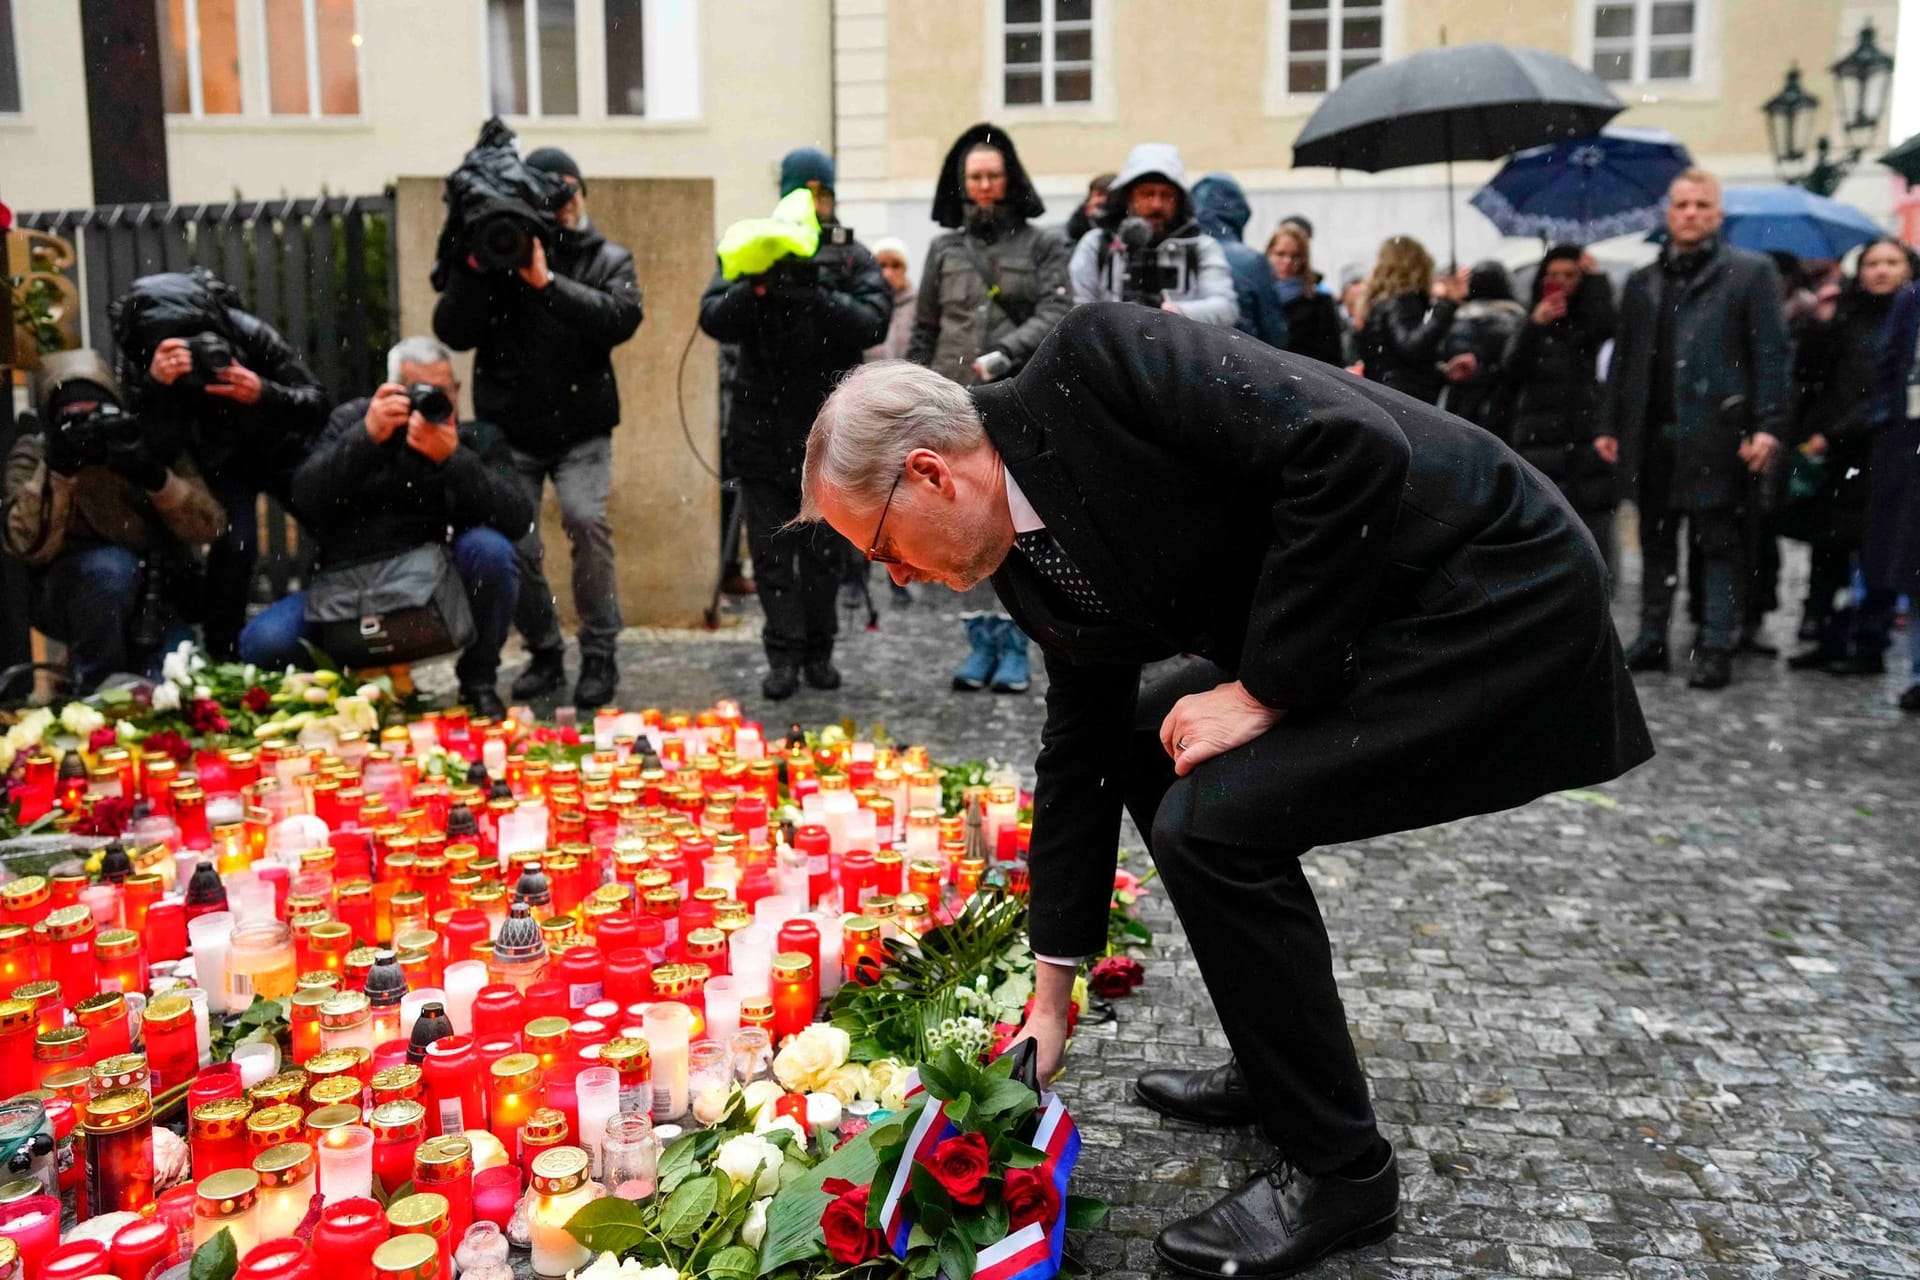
(1051, 563)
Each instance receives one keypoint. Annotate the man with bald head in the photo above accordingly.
(1389, 621)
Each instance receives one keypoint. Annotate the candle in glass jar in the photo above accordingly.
(796, 994)
(862, 955)
(122, 961)
(345, 1162)
(71, 963)
(119, 1129)
(139, 1247)
(407, 1257)
(397, 1128)
(268, 1127)
(227, 1200)
(288, 1259)
(750, 959)
(515, 1094)
(32, 1226)
(426, 1214)
(667, 1026)
(287, 1183)
(209, 935)
(444, 1166)
(217, 1135)
(464, 980)
(347, 1234)
(105, 1018)
(723, 1006)
(560, 1188)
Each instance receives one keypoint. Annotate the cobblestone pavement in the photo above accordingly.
(1662, 1030)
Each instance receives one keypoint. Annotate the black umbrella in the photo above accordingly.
(1468, 102)
(1905, 159)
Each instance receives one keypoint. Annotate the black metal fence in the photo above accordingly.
(321, 271)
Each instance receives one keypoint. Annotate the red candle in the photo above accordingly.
(397, 1128)
(70, 953)
(216, 1080)
(495, 1192)
(813, 841)
(627, 978)
(464, 928)
(287, 1258)
(455, 1097)
(796, 994)
(861, 953)
(802, 936)
(17, 1029)
(346, 1236)
(619, 932)
(138, 1247)
(173, 1051)
(546, 999)
(166, 930)
(76, 1260)
(856, 876)
(583, 971)
(499, 1009)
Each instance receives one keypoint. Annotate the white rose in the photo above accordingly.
(368, 693)
(768, 1122)
(196, 662)
(354, 713)
(174, 666)
(166, 696)
(126, 731)
(754, 1229)
(202, 692)
(848, 1083)
(894, 1096)
(604, 1267)
(80, 720)
(811, 1057)
(316, 694)
(882, 1073)
(632, 1270)
(27, 732)
(761, 1095)
(250, 674)
(749, 1156)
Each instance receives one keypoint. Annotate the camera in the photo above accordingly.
(1147, 279)
(430, 402)
(90, 436)
(503, 240)
(498, 204)
(212, 354)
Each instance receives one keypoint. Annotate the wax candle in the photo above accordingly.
(862, 955)
(32, 1224)
(560, 1187)
(119, 1130)
(209, 935)
(429, 1215)
(286, 1259)
(348, 1233)
(227, 1200)
(723, 1006)
(444, 1166)
(464, 979)
(514, 1095)
(71, 963)
(709, 1080)
(750, 959)
(75, 1260)
(667, 1026)
(796, 994)
(345, 1162)
(496, 1190)
(597, 1096)
(287, 1183)
(632, 1058)
(398, 1128)
(139, 1247)
(217, 1135)
(408, 1257)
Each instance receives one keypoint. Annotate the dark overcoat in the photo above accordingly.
(1733, 374)
(1426, 607)
(1892, 559)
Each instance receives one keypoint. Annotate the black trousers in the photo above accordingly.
(1255, 929)
(797, 572)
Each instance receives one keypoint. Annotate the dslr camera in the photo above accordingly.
(430, 402)
(90, 436)
(1147, 279)
(212, 354)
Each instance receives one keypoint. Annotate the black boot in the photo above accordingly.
(599, 677)
(781, 683)
(543, 676)
(822, 674)
(1214, 1096)
(1815, 658)
(482, 701)
(1284, 1220)
(1647, 653)
(1712, 669)
(1865, 663)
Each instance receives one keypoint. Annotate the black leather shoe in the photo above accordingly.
(1712, 669)
(1647, 653)
(781, 683)
(1215, 1096)
(1910, 700)
(1283, 1221)
(1813, 659)
(481, 700)
(543, 676)
(822, 674)
(599, 677)
(1857, 664)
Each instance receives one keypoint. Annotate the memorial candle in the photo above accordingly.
(139, 1247)
(667, 1027)
(861, 952)
(444, 1166)
(796, 994)
(514, 1094)
(226, 1200)
(32, 1225)
(750, 959)
(287, 1184)
(347, 1234)
(119, 1129)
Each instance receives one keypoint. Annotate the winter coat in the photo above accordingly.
(1482, 329)
(899, 330)
(1732, 374)
(1400, 344)
(1892, 557)
(799, 327)
(1428, 610)
(1837, 366)
(1552, 375)
(261, 442)
(45, 513)
(957, 319)
(543, 368)
(1201, 283)
(365, 501)
(1314, 327)
(1221, 207)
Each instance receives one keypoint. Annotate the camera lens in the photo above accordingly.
(500, 244)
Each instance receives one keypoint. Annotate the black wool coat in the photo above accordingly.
(1553, 372)
(1428, 610)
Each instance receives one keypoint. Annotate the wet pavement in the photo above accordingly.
(1663, 1029)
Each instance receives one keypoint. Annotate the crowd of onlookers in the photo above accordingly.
(1739, 397)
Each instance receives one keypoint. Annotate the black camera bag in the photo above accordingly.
(374, 613)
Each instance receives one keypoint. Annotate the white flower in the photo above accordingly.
(27, 732)
(126, 731)
(761, 1095)
(811, 1057)
(768, 1122)
(7, 753)
(354, 713)
(632, 1270)
(368, 692)
(316, 694)
(740, 1157)
(754, 1229)
(174, 666)
(196, 662)
(848, 1083)
(166, 695)
(80, 720)
(250, 674)
(604, 1267)
(202, 692)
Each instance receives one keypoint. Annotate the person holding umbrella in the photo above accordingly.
(1697, 399)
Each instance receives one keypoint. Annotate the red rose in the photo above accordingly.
(1115, 976)
(257, 700)
(100, 738)
(1030, 1197)
(960, 1165)
(849, 1239)
(171, 743)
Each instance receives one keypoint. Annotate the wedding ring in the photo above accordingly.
(1180, 744)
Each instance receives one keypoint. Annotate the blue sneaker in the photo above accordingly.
(1010, 672)
(975, 671)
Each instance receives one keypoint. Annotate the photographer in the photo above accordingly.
(396, 471)
(800, 325)
(96, 504)
(1150, 249)
(231, 389)
(544, 332)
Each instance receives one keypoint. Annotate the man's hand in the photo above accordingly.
(236, 383)
(1204, 725)
(387, 412)
(435, 440)
(1171, 306)
(171, 359)
(1452, 286)
(1608, 447)
(1757, 451)
(1462, 366)
(1550, 308)
(1046, 1026)
(1815, 446)
(535, 272)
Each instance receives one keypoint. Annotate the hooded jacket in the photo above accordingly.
(45, 513)
(1201, 282)
(1220, 205)
(993, 283)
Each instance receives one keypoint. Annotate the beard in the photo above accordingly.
(981, 551)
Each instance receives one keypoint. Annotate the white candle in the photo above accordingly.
(750, 959)
(893, 785)
(201, 1000)
(256, 1061)
(606, 723)
(210, 935)
(597, 1090)
(862, 831)
(346, 1163)
(493, 754)
(666, 1026)
(721, 872)
(723, 1006)
(923, 838)
(829, 924)
(747, 743)
(923, 795)
(823, 1111)
(464, 979)
(423, 736)
(838, 809)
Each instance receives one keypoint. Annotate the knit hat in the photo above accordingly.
(803, 165)
(554, 160)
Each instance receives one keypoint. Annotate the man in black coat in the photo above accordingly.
(1392, 622)
(1697, 400)
(799, 326)
(543, 372)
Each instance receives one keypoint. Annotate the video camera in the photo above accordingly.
(1147, 279)
(498, 204)
(212, 355)
(91, 435)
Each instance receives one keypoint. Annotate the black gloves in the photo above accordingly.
(131, 458)
(63, 449)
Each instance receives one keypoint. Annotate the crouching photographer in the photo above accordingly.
(101, 506)
(398, 490)
(544, 298)
(194, 360)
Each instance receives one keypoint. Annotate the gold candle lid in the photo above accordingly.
(863, 927)
(221, 1118)
(121, 1109)
(122, 1071)
(395, 1084)
(339, 1115)
(279, 1089)
(406, 1257)
(792, 966)
(15, 1014)
(9, 1251)
(345, 1010)
(399, 1119)
(27, 891)
(168, 1009)
(116, 944)
(14, 935)
(546, 1033)
(756, 1009)
(546, 1127)
(626, 1053)
(334, 1090)
(66, 924)
(330, 936)
(60, 1044)
(286, 1164)
(516, 1071)
(441, 1159)
(325, 981)
(37, 991)
(75, 1084)
(559, 1170)
(424, 1213)
(273, 1125)
(98, 1010)
(228, 1192)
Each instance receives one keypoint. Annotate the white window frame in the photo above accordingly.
(590, 54)
(993, 95)
(1280, 98)
(587, 72)
(19, 67)
(1644, 42)
(311, 30)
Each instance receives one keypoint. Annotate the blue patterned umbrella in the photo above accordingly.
(1612, 183)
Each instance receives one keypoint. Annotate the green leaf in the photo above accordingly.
(1084, 1213)
(987, 1227)
(677, 1164)
(959, 1110)
(938, 1083)
(608, 1225)
(924, 1266)
(688, 1209)
(1008, 1098)
(957, 1258)
(217, 1259)
(1021, 1156)
(735, 1262)
(117, 697)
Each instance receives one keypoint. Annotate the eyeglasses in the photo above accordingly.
(874, 554)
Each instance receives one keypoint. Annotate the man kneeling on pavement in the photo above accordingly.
(385, 478)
